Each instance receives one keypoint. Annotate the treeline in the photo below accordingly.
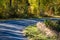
(29, 8)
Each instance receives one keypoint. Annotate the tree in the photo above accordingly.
(10, 2)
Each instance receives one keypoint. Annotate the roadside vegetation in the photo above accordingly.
(29, 8)
(33, 33)
(54, 25)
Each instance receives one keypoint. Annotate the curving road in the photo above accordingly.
(12, 29)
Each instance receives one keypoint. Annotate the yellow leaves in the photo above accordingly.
(33, 2)
(33, 5)
(58, 1)
(32, 8)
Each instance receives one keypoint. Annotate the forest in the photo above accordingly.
(29, 8)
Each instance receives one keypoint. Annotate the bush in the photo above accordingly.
(34, 34)
(53, 24)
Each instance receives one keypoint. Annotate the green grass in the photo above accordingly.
(34, 34)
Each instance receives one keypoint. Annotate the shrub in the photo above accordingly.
(34, 34)
(53, 24)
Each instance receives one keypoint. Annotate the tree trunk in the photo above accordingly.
(10, 3)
